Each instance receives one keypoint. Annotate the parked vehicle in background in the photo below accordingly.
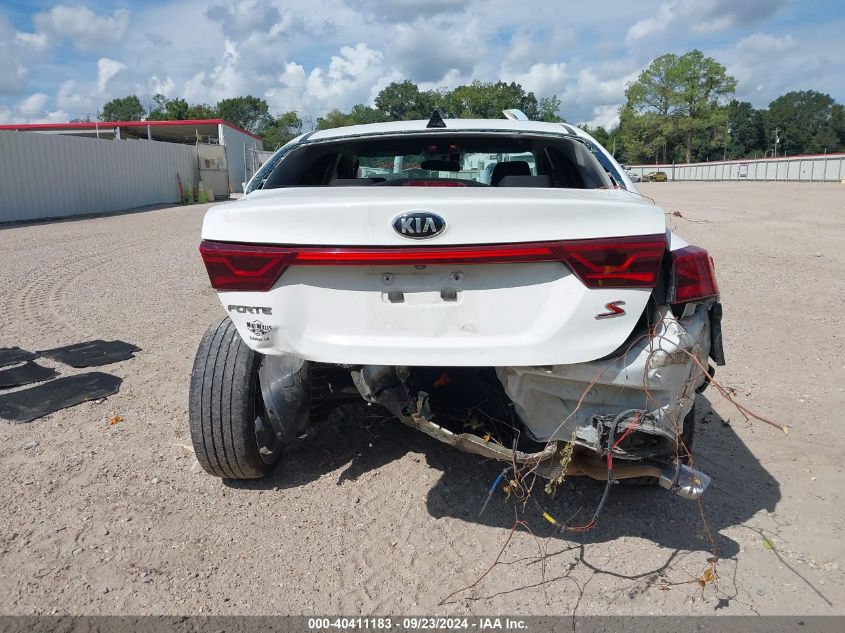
(632, 174)
(657, 176)
(539, 310)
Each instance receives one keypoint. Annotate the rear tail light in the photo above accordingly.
(616, 263)
(630, 262)
(243, 267)
(693, 275)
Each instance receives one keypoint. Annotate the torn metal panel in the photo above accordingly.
(471, 443)
(654, 380)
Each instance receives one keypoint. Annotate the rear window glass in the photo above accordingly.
(481, 160)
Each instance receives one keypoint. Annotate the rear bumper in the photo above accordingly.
(651, 385)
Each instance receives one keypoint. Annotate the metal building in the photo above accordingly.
(225, 147)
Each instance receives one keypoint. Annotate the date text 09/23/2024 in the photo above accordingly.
(416, 623)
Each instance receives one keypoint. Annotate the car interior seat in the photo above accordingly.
(509, 168)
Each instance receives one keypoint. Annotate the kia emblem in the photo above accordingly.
(419, 225)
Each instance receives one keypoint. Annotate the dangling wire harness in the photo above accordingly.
(612, 443)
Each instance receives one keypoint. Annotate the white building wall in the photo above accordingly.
(824, 168)
(51, 176)
(235, 142)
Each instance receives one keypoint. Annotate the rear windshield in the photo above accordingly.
(429, 160)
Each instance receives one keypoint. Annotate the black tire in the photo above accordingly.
(687, 438)
(225, 407)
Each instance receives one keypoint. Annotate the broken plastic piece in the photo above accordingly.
(36, 402)
(92, 353)
(14, 355)
(25, 374)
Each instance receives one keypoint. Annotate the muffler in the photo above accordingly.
(684, 481)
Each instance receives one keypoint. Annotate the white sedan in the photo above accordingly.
(539, 309)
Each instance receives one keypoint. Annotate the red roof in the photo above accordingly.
(35, 127)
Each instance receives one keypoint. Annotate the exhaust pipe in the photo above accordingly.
(684, 481)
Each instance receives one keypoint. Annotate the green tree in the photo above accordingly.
(486, 100)
(645, 119)
(806, 121)
(362, 114)
(747, 131)
(249, 112)
(548, 109)
(403, 101)
(644, 137)
(164, 109)
(677, 100)
(201, 111)
(334, 118)
(704, 85)
(125, 109)
(281, 129)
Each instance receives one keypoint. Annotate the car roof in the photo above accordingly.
(458, 125)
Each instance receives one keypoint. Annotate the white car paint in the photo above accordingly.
(362, 216)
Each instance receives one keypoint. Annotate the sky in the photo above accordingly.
(64, 61)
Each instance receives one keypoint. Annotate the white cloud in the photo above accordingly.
(429, 49)
(650, 27)
(15, 50)
(408, 10)
(605, 116)
(161, 86)
(245, 16)
(542, 79)
(227, 79)
(350, 72)
(32, 109)
(33, 105)
(701, 16)
(74, 98)
(12, 76)
(33, 41)
(590, 87)
(83, 27)
(763, 45)
(106, 70)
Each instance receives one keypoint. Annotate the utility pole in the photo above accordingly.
(777, 140)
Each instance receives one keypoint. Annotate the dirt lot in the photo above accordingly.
(372, 517)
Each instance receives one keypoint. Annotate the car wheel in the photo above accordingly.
(230, 432)
(686, 437)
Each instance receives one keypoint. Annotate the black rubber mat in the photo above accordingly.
(25, 374)
(30, 404)
(14, 355)
(92, 353)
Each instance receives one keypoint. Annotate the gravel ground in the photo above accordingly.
(371, 517)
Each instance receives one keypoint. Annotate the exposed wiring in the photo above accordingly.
(493, 489)
(611, 444)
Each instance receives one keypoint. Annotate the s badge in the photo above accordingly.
(613, 310)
